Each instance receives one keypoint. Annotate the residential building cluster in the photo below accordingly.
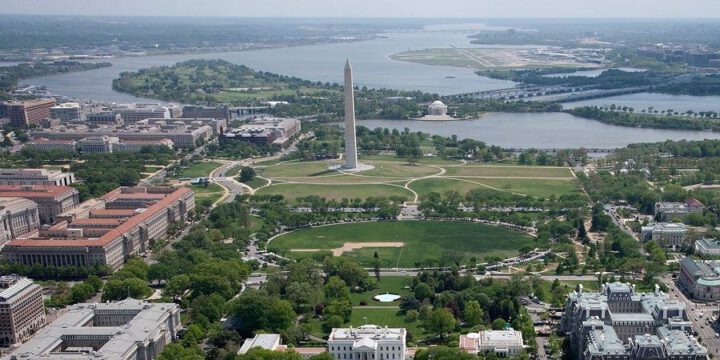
(618, 323)
(700, 279)
(103, 231)
(265, 130)
(128, 329)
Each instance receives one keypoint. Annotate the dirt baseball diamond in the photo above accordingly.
(350, 246)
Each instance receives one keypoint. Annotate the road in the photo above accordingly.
(698, 313)
(611, 210)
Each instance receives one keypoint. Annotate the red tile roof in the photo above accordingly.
(109, 222)
(112, 234)
(695, 203)
(112, 212)
(34, 191)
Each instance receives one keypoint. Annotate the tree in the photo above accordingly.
(121, 289)
(499, 324)
(423, 291)
(336, 289)
(473, 314)
(376, 265)
(440, 322)
(333, 322)
(246, 174)
(443, 353)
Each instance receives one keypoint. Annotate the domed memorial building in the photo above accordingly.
(437, 108)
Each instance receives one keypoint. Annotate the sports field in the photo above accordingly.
(421, 241)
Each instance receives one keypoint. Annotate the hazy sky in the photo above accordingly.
(371, 8)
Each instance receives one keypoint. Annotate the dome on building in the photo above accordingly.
(437, 108)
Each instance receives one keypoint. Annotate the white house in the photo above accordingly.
(368, 342)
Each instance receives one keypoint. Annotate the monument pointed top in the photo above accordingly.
(347, 64)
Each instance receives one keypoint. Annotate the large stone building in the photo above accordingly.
(125, 222)
(368, 342)
(36, 177)
(670, 235)
(125, 330)
(18, 218)
(132, 113)
(51, 200)
(65, 112)
(50, 145)
(617, 323)
(266, 130)
(437, 108)
(21, 309)
(182, 134)
(669, 211)
(505, 343)
(24, 113)
(707, 247)
(700, 279)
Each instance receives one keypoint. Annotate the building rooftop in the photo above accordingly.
(34, 191)
(367, 331)
(114, 233)
(116, 342)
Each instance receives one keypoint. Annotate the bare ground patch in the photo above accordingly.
(350, 246)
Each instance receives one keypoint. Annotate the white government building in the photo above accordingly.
(501, 342)
(368, 342)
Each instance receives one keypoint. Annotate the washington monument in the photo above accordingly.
(350, 140)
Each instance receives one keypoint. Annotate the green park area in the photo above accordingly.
(398, 177)
(212, 191)
(406, 243)
(197, 169)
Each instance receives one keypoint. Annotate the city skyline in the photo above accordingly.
(369, 8)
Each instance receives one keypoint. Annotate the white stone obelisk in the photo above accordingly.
(350, 140)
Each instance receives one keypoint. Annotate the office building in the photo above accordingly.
(133, 146)
(36, 177)
(51, 145)
(125, 330)
(217, 112)
(700, 279)
(97, 144)
(51, 200)
(266, 130)
(707, 247)
(504, 343)
(132, 113)
(108, 118)
(19, 218)
(24, 113)
(218, 125)
(670, 235)
(182, 135)
(99, 234)
(264, 341)
(65, 112)
(21, 309)
(618, 323)
(368, 342)
(669, 211)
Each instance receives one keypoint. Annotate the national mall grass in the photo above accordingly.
(423, 240)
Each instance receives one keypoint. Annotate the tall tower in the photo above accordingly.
(350, 140)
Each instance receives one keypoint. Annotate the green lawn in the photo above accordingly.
(310, 171)
(389, 317)
(531, 187)
(391, 284)
(198, 169)
(509, 171)
(213, 192)
(422, 240)
(424, 160)
(255, 182)
(334, 191)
